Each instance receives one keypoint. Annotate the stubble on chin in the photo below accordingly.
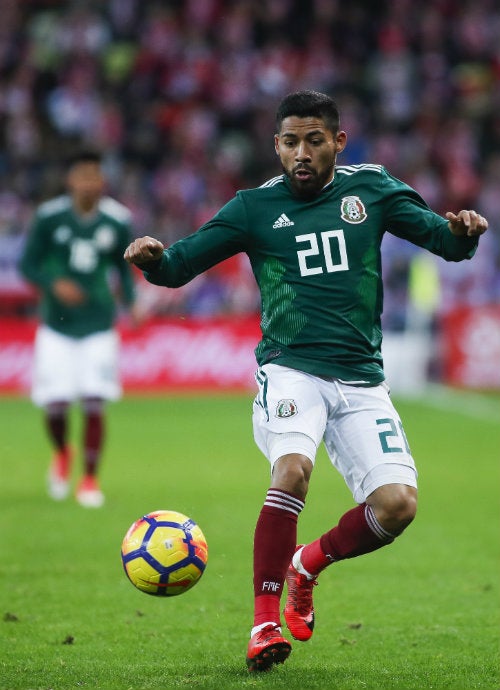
(305, 191)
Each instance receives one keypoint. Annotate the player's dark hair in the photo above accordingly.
(84, 156)
(309, 104)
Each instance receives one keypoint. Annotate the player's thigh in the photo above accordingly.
(55, 367)
(289, 413)
(99, 366)
(366, 441)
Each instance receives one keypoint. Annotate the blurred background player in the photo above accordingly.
(75, 242)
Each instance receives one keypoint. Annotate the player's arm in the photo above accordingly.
(33, 267)
(454, 238)
(223, 236)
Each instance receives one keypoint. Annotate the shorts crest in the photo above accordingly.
(286, 408)
(352, 209)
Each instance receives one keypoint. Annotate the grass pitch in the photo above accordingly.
(421, 613)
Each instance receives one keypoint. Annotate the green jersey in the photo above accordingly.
(317, 264)
(62, 244)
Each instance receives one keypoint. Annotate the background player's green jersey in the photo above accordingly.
(62, 244)
(317, 264)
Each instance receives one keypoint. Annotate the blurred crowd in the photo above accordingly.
(180, 97)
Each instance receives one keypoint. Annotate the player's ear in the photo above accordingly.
(340, 141)
(276, 144)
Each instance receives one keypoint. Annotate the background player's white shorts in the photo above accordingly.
(67, 369)
(362, 432)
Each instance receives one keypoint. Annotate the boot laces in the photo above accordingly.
(301, 594)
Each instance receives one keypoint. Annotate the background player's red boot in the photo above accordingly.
(88, 493)
(58, 476)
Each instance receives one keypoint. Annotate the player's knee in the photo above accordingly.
(395, 506)
(403, 510)
(92, 405)
(292, 473)
(57, 409)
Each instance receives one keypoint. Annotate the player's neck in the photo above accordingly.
(85, 210)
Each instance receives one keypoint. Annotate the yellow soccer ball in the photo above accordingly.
(164, 553)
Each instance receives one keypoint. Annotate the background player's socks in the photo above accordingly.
(56, 422)
(93, 435)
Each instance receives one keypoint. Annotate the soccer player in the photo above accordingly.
(313, 237)
(75, 241)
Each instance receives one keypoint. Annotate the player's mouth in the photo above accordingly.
(303, 174)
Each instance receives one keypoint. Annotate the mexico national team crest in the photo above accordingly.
(352, 209)
(286, 408)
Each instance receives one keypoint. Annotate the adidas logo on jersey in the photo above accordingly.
(283, 222)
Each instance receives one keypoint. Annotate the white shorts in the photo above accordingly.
(363, 434)
(68, 369)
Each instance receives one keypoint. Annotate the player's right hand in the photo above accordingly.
(143, 250)
(68, 292)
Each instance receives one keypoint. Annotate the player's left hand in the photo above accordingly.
(467, 223)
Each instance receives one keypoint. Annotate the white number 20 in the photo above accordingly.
(314, 250)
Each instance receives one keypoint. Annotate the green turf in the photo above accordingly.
(423, 613)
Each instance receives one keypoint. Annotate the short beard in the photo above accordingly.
(311, 191)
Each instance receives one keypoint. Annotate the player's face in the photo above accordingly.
(86, 185)
(308, 150)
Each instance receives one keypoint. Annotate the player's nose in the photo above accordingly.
(302, 152)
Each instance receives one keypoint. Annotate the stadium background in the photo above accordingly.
(180, 97)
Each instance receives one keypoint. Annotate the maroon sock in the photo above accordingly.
(274, 544)
(358, 532)
(56, 422)
(93, 435)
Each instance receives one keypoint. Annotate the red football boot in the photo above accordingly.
(267, 647)
(299, 610)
